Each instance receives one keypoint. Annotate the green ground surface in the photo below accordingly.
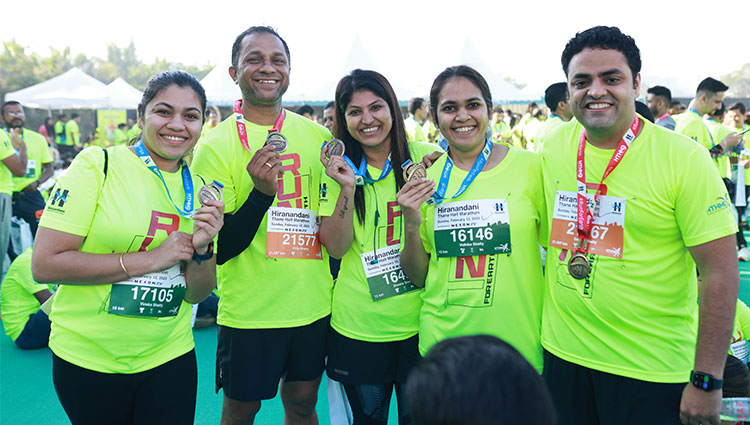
(27, 395)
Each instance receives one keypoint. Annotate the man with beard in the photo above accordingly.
(27, 200)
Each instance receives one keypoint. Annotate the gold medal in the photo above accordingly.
(414, 170)
(579, 266)
(211, 192)
(335, 148)
(277, 140)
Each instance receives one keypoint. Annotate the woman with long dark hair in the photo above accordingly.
(125, 236)
(374, 320)
(472, 240)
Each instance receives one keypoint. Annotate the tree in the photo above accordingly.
(738, 81)
(20, 69)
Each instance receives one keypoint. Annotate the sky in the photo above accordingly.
(408, 41)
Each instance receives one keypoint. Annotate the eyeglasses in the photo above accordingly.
(14, 113)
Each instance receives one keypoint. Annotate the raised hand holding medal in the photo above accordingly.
(332, 157)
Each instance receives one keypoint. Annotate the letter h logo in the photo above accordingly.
(60, 198)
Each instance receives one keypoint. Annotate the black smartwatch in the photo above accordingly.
(705, 381)
(207, 256)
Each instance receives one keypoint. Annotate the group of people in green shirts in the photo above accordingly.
(434, 244)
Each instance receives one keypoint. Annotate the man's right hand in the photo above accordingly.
(15, 138)
(732, 140)
(265, 168)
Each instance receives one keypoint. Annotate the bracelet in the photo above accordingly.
(207, 256)
(124, 270)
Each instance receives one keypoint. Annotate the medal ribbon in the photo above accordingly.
(362, 172)
(663, 117)
(473, 173)
(242, 131)
(187, 181)
(584, 218)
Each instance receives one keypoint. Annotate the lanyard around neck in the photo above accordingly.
(242, 131)
(187, 181)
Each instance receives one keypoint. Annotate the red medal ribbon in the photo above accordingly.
(584, 217)
(240, 120)
(663, 117)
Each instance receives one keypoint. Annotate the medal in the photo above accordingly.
(211, 192)
(335, 148)
(278, 141)
(414, 170)
(579, 266)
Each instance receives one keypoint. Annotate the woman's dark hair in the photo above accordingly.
(736, 378)
(361, 80)
(477, 380)
(467, 72)
(49, 124)
(165, 79)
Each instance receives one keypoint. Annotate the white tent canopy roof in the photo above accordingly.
(123, 95)
(72, 90)
(220, 89)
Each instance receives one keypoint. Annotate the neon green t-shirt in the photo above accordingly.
(59, 132)
(133, 132)
(354, 313)
(691, 124)
(119, 137)
(740, 332)
(72, 134)
(636, 315)
(413, 130)
(6, 176)
(127, 211)
(428, 128)
(718, 132)
(503, 129)
(17, 300)
(530, 132)
(497, 294)
(37, 152)
(259, 291)
(548, 126)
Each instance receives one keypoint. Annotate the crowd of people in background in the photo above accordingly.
(575, 264)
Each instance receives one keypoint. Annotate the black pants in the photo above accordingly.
(164, 395)
(370, 403)
(741, 243)
(586, 396)
(28, 206)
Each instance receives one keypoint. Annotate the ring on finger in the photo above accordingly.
(269, 165)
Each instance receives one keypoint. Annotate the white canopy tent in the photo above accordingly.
(72, 90)
(220, 89)
(122, 95)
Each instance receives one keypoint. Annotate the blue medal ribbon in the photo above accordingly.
(187, 181)
(445, 176)
(362, 176)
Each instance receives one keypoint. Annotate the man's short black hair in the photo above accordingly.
(415, 104)
(663, 92)
(305, 109)
(739, 107)
(711, 86)
(477, 380)
(73, 116)
(9, 103)
(601, 37)
(122, 125)
(644, 111)
(555, 94)
(238, 42)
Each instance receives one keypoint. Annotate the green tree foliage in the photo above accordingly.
(20, 68)
(738, 81)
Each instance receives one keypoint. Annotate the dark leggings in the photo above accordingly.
(164, 395)
(741, 243)
(370, 403)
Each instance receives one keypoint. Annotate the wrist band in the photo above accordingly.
(124, 270)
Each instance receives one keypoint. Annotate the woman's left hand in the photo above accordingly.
(207, 222)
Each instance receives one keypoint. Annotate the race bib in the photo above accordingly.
(470, 228)
(292, 233)
(739, 350)
(157, 294)
(30, 168)
(607, 229)
(384, 274)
